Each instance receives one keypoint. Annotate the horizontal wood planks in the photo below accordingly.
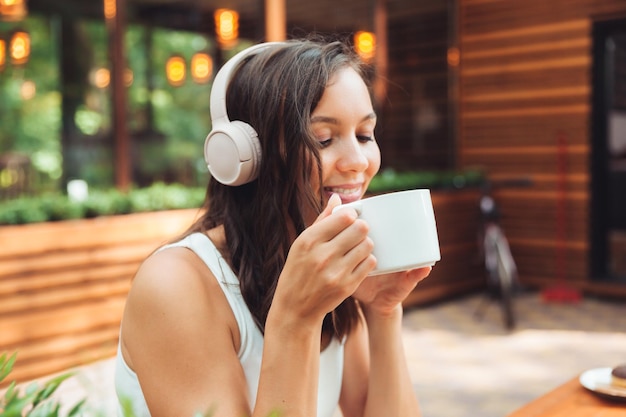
(525, 111)
(460, 269)
(63, 286)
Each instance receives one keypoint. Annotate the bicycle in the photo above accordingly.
(500, 266)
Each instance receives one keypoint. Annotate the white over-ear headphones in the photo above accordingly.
(231, 150)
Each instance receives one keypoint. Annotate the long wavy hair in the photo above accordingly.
(275, 91)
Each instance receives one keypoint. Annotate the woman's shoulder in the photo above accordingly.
(176, 284)
(174, 298)
(168, 275)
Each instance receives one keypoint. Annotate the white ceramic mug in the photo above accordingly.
(403, 229)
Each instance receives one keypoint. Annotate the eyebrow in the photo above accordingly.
(332, 120)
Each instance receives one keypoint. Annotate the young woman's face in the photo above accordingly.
(343, 123)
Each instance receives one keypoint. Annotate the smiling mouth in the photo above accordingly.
(346, 194)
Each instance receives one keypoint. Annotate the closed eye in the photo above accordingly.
(325, 143)
(361, 138)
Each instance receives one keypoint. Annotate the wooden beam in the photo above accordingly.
(117, 29)
(275, 20)
(382, 52)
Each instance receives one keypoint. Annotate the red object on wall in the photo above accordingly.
(561, 291)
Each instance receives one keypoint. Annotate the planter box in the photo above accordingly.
(460, 269)
(63, 285)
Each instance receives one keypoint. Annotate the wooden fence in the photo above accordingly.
(63, 284)
(525, 111)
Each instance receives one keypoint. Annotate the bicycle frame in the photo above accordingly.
(498, 260)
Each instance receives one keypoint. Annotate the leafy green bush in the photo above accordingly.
(390, 180)
(160, 196)
(34, 400)
(106, 203)
(53, 207)
(165, 197)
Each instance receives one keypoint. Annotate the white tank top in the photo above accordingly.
(250, 352)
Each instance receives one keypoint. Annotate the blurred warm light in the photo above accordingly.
(201, 67)
(3, 53)
(101, 78)
(454, 57)
(12, 10)
(28, 90)
(19, 47)
(226, 27)
(128, 77)
(175, 70)
(365, 44)
(110, 9)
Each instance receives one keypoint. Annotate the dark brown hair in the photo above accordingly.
(276, 91)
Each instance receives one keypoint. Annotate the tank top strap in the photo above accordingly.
(206, 250)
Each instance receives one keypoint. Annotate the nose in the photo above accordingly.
(353, 156)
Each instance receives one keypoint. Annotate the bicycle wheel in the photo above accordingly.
(506, 270)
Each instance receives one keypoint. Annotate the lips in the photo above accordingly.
(347, 193)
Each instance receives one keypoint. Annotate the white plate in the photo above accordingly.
(598, 380)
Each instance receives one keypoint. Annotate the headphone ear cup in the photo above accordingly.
(233, 153)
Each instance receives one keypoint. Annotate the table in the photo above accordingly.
(571, 400)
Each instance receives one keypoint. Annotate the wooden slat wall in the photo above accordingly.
(414, 129)
(459, 270)
(525, 82)
(63, 286)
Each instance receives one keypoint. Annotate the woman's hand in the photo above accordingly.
(325, 264)
(381, 294)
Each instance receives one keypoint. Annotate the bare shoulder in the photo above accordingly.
(174, 294)
(178, 327)
(173, 278)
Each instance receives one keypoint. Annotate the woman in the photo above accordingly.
(265, 305)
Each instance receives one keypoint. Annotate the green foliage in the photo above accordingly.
(34, 400)
(36, 125)
(160, 196)
(165, 197)
(53, 207)
(390, 180)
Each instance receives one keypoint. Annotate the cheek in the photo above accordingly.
(373, 157)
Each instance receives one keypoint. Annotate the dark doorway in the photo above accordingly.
(608, 149)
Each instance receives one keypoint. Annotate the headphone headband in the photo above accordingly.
(232, 150)
(223, 77)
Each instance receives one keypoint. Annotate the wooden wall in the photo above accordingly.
(63, 286)
(460, 270)
(414, 130)
(525, 87)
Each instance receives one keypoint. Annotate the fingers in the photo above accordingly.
(339, 240)
(328, 225)
(413, 276)
(420, 273)
(333, 202)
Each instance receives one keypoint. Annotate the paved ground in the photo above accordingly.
(464, 367)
